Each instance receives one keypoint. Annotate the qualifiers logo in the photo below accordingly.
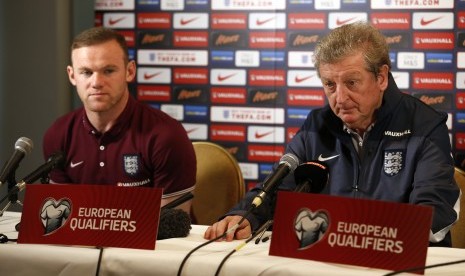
(234, 133)
(307, 21)
(438, 40)
(190, 75)
(54, 214)
(433, 80)
(305, 97)
(267, 40)
(228, 39)
(107, 219)
(310, 227)
(267, 77)
(190, 95)
(232, 21)
(391, 21)
(150, 39)
(155, 93)
(190, 39)
(305, 40)
(154, 20)
(227, 95)
(262, 153)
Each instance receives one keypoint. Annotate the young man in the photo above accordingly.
(378, 142)
(113, 139)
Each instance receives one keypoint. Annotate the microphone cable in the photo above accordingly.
(99, 261)
(232, 229)
(423, 267)
(260, 232)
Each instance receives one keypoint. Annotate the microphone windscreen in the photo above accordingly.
(174, 223)
(315, 172)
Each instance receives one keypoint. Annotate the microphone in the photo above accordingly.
(23, 146)
(174, 223)
(311, 177)
(55, 160)
(287, 164)
(180, 200)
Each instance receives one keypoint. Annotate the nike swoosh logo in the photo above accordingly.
(222, 78)
(261, 135)
(185, 22)
(150, 76)
(322, 159)
(424, 22)
(299, 79)
(73, 165)
(114, 21)
(261, 22)
(342, 22)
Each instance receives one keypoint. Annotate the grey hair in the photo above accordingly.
(350, 39)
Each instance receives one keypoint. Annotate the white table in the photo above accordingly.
(32, 259)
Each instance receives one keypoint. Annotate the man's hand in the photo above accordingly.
(218, 228)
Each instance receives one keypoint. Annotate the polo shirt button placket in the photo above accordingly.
(102, 148)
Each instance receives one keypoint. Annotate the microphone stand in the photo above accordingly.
(12, 197)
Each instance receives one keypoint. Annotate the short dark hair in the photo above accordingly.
(99, 35)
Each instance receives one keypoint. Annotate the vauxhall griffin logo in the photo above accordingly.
(54, 214)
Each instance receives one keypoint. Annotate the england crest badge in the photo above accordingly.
(393, 161)
(131, 164)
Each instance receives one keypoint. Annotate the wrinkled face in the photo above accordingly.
(101, 76)
(353, 93)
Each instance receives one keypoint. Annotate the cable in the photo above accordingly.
(260, 232)
(99, 262)
(423, 267)
(232, 229)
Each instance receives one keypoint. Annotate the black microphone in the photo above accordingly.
(55, 160)
(174, 223)
(311, 177)
(287, 164)
(180, 200)
(23, 146)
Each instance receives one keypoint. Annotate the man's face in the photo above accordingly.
(353, 93)
(101, 76)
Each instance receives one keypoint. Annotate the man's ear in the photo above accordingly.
(383, 77)
(70, 71)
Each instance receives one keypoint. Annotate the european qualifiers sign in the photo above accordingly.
(360, 232)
